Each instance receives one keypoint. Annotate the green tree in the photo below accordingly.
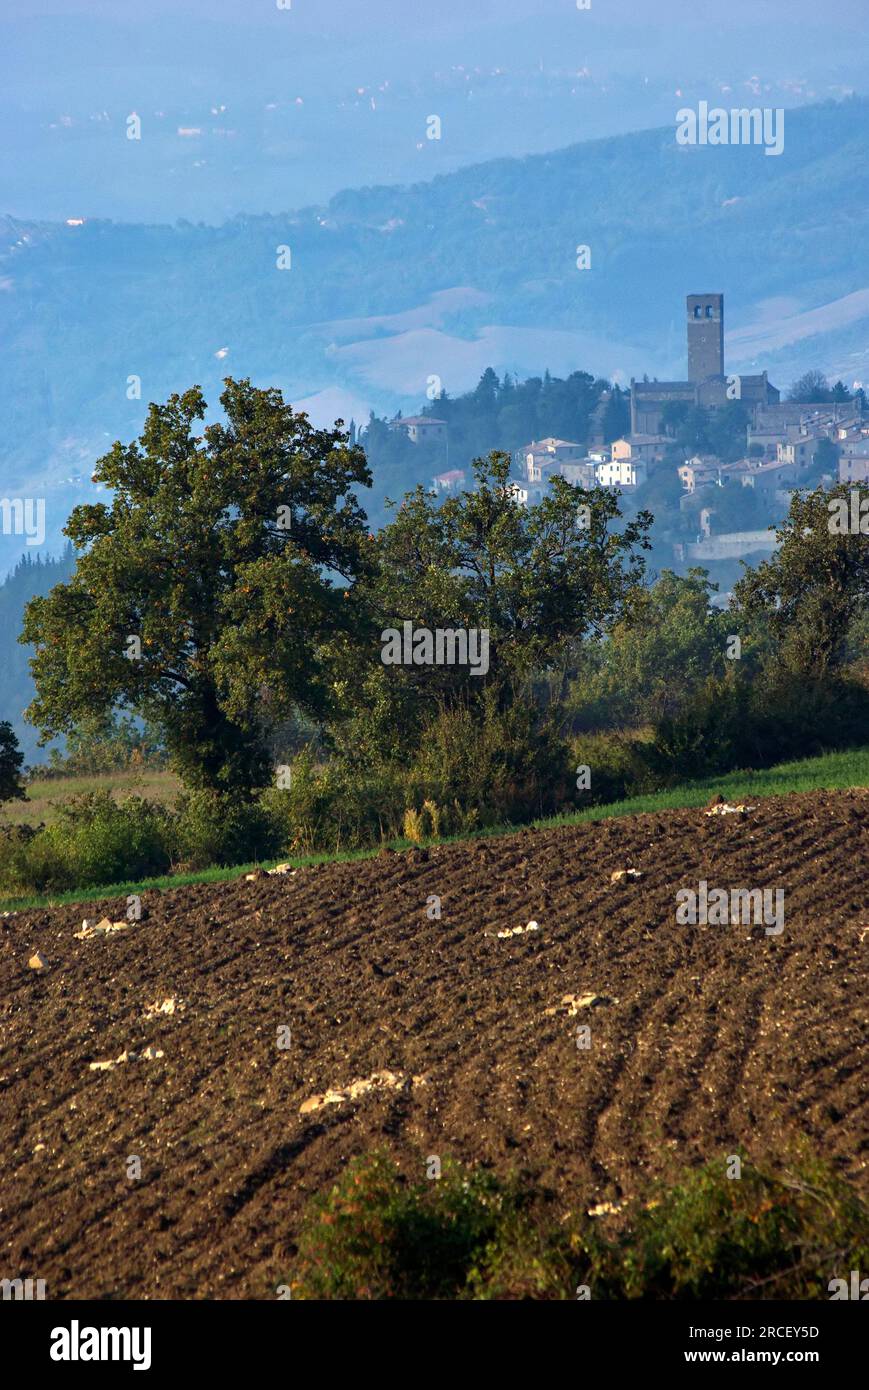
(805, 599)
(210, 595)
(673, 417)
(617, 415)
(811, 387)
(692, 431)
(539, 579)
(726, 431)
(655, 656)
(11, 761)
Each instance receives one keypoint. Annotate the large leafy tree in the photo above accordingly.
(536, 577)
(802, 602)
(539, 579)
(211, 594)
(662, 652)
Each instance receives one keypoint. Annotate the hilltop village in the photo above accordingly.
(781, 445)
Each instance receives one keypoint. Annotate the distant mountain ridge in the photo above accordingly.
(393, 291)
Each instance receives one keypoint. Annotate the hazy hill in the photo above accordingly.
(254, 108)
(392, 286)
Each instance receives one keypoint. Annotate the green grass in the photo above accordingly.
(213, 875)
(830, 772)
(46, 794)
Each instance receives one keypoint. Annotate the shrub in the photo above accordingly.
(619, 765)
(376, 1237)
(466, 1235)
(337, 806)
(470, 769)
(97, 841)
(93, 841)
(761, 1236)
(14, 842)
(498, 765)
(221, 828)
(736, 723)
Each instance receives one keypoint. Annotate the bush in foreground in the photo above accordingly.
(96, 840)
(374, 1236)
(93, 841)
(468, 1236)
(764, 1235)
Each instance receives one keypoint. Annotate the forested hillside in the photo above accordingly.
(29, 578)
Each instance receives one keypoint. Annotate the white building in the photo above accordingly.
(621, 473)
(535, 458)
(526, 494)
(420, 428)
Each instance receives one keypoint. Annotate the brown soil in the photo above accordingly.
(714, 1038)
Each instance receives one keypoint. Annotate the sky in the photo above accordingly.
(245, 107)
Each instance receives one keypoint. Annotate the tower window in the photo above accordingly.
(696, 311)
(709, 311)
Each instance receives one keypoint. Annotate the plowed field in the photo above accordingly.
(703, 1038)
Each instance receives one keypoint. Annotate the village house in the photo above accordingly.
(799, 451)
(763, 441)
(581, 474)
(699, 471)
(621, 473)
(545, 459)
(854, 460)
(536, 457)
(734, 472)
(648, 448)
(539, 467)
(854, 470)
(448, 482)
(420, 428)
(854, 450)
(771, 477)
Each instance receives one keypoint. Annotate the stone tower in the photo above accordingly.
(705, 336)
